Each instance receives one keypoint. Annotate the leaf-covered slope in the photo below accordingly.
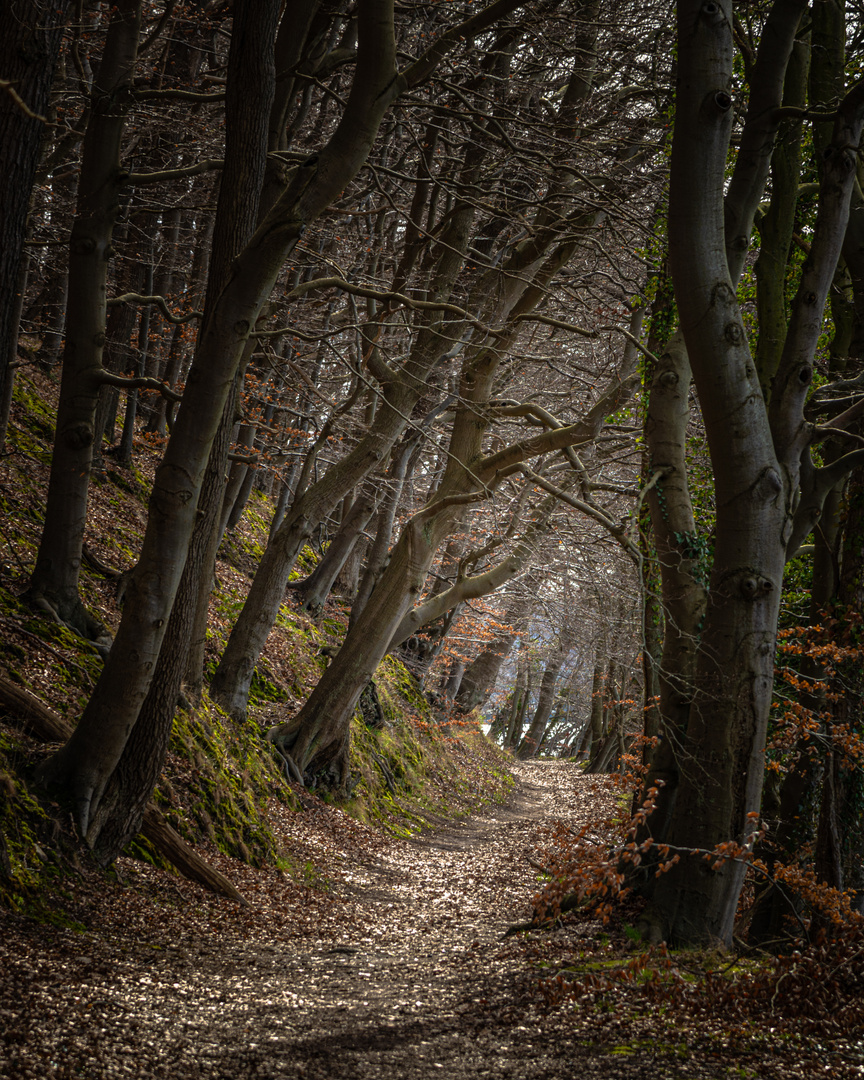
(221, 779)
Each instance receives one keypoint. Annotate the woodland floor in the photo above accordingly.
(389, 963)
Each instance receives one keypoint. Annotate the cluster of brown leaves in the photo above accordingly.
(807, 1002)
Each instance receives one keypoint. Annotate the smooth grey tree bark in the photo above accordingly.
(314, 590)
(250, 64)
(761, 462)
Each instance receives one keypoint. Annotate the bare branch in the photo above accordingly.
(139, 382)
(9, 87)
(159, 301)
(207, 165)
(619, 531)
(560, 324)
(177, 95)
(426, 63)
(392, 297)
(585, 431)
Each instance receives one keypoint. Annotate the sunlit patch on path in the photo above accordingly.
(396, 968)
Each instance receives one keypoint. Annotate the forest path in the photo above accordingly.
(405, 988)
(397, 970)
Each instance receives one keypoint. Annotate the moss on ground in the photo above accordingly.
(220, 778)
(23, 861)
(415, 770)
(220, 774)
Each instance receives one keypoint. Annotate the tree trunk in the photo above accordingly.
(233, 677)
(126, 792)
(530, 745)
(519, 700)
(650, 582)
(120, 324)
(54, 584)
(453, 679)
(169, 843)
(315, 589)
(849, 709)
(798, 811)
(480, 675)
(82, 768)
(30, 36)
(316, 739)
(756, 467)
(594, 734)
(130, 415)
(164, 337)
(241, 479)
(681, 555)
(400, 468)
(51, 316)
(48, 726)
(778, 223)
(207, 534)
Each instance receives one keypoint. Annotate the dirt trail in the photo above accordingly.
(407, 978)
(393, 996)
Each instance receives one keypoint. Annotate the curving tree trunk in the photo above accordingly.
(480, 675)
(81, 770)
(401, 467)
(682, 554)
(314, 590)
(402, 390)
(533, 737)
(520, 700)
(760, 459)
(128, 788)
(316, 739)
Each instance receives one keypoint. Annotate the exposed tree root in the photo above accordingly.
(169, 843)
(95, 563)
(291, 769)
(326, 765)
(75, 618)
(47, 725)
(388, 776)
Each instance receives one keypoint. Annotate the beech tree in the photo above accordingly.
(767, 489)
(82, 769)
(54, 584)
(316, 739)
(421, 311)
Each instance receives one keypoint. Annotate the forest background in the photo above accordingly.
(540, 324)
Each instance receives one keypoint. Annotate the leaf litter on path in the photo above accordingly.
(388, 963)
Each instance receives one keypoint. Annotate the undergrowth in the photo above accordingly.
(585, 951)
